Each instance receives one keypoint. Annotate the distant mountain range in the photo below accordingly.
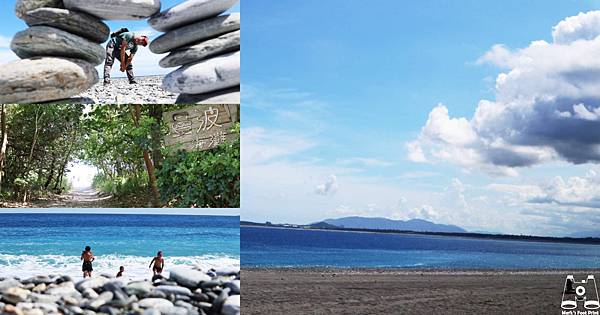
(585, 234)
(415, 225)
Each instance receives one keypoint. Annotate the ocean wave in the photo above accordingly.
(136, 267)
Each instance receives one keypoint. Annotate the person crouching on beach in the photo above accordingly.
(120, 273)
(117, 47)
(158, 262)
(87, 256)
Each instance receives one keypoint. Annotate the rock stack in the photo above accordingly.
(185, 292)
(62, 46)
(206, 47)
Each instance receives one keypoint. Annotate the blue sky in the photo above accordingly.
(145, 63)
(369, 108)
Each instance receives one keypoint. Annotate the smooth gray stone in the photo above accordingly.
(74, 22)
(64, 288)
(10, 282)
(188, 12)
(101, 299)
(187, 277)
(116, 9)
(139, 288)
(155, 303)
(206, 76)
(234, 286)
(171, 289)
(196, 32)
(22, 6)
(212, 47)
(44, 79)
(38, 41)
(231, 306)
(91, 283)
(226, 96)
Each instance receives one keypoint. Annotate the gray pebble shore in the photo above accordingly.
(147, 91)
(185, 292)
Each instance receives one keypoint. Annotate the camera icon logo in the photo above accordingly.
(583, 292)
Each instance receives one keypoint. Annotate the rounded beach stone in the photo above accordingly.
(226, 96)
(196, 32)
(206, 76)
(116, 9)
(188, 12)
(77, 23)
(23, 6)
(154, 303)
(188, 278)
(171, 289)
(216, 46)
(49, 41)
(44, 79)
(231, 306)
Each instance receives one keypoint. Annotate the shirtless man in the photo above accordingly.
(116, 49)
(159, 263)
(87, 256)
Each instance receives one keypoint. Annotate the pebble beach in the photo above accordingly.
(185, 291)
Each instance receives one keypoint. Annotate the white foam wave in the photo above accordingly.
(136, 267)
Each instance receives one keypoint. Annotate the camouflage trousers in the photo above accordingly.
(111, 55)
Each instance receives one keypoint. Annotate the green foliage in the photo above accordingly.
(122, 186)
(202, 179)
(44, 139)
(41, 140)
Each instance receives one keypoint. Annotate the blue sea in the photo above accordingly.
(32, 244)
(276, 247)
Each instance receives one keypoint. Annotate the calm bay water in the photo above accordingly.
(52, 243)
(273, 247)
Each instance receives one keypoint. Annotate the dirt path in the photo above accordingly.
(78, 198)
(86, 197)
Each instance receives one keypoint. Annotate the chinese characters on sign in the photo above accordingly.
(201, 127)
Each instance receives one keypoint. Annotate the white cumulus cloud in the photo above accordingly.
(546, 108)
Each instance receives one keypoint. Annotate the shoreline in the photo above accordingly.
(424, 271)
(399, 291)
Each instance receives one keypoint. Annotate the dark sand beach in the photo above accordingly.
(396, 291)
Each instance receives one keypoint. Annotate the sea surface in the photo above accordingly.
(277, 247)
(32, 244)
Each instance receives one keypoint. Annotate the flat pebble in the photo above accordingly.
(38, 41)
(188, 12)
(74, 22)
(206, 76)
(195, 32)
(116, 9)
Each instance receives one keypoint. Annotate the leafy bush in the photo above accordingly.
(202, 179)
(121, 186)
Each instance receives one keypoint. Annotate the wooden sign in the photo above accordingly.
(201, 127)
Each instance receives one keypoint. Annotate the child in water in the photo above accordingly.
(121, 270)
(87, 256)
(158, 262)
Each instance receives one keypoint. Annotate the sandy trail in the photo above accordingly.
(84, 197)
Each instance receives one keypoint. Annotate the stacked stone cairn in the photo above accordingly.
(185, 292)
(62, 46)
(205, 44)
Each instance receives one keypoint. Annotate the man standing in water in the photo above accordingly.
(87, 256)
(117, 47)
(158, 262)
